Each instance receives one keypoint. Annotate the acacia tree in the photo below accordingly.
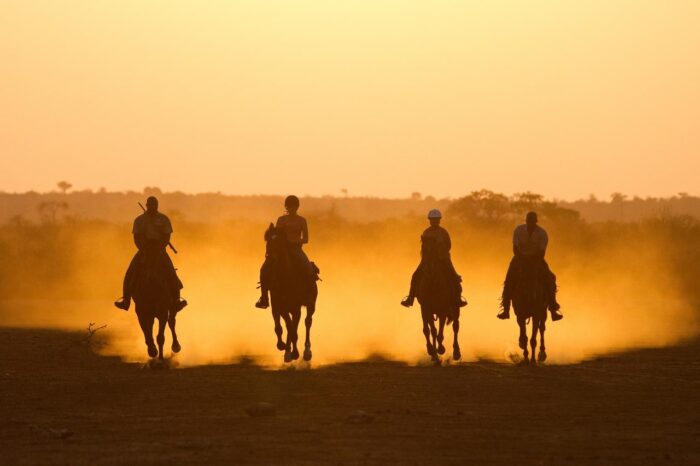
(64, 186)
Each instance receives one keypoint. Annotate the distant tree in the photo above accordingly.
(48, 210)
(526, 202)
(481, 205)
(416, 196)
(64, 186)
(345, 192)
(619, 200)
(152, 191)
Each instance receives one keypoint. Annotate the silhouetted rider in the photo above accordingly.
(152, 232)
(530, 240)
(443, 244)
(296, 232)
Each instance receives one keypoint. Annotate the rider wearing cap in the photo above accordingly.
(443, 243)
(296, 232)
(530, 241)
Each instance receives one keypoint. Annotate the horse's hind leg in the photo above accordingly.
(308, 322)
(456, 353)
(542, 356)
(146, 324)
(175, 347)
(533, 338)
(160, 338)
(441, 336)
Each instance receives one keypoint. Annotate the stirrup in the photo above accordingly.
(556, 316)
(407, 301)
(462, 302)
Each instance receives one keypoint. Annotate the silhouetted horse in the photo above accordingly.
(291, 287)
(530, 302)
(153, 300)
(437, 302)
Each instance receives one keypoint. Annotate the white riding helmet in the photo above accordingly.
(434, 214)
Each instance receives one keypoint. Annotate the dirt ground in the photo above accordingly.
(60, 403)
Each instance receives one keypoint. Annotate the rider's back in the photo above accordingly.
(441, 238)
(527, 243)
(293, 227)
(152, 227)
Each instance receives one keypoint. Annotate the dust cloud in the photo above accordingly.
(619, 289)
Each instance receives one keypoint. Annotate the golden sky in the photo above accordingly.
(380, 97)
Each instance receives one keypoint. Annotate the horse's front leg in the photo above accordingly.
(533, 338)
(296, 319)
(310, 310)
(441, 336)
(175, 347)
(146, 324)
(281, 345)
(160, 338)
(427, 320)
(522, 341)
(456, 353)
(288, 342)
(542, 356)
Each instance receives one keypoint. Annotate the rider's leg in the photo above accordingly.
(551, 283)
(456, 284)
(408, 301)
(264, 301)
(508, 290)
(125, 301)
(174, 282)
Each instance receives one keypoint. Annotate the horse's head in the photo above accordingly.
(276, 242)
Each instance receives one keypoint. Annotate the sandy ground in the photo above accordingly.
(60, 403)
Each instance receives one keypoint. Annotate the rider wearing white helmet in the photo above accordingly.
(442, 240)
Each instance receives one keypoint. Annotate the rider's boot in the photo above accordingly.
(461, 302)
(263, 302)
(180, 304)
(123, 303)
(408, 301)
(554, 307)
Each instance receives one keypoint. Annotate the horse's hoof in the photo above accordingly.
(152, 351)
(542, 357)
(456, 354)
(295, 354)
(307, 355)
(441, 349)
(176, 347)
(281, 346)
(435, 359)
(288, 356)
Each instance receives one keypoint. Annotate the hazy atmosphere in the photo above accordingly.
(394, 124)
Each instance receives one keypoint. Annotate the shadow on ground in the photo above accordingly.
(63, 404)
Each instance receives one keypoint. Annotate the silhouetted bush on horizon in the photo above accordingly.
(483, 206)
